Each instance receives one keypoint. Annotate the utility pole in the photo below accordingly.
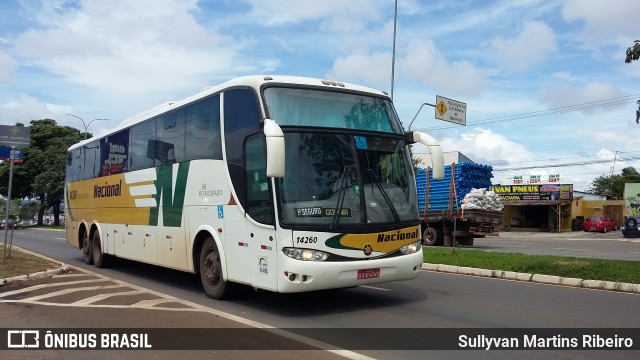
(393, 55)
(615, 156)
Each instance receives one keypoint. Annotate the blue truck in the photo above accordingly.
(447, 218)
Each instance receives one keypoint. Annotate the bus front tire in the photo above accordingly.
(87, 252)
(211, 271)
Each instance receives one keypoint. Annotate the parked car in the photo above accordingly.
(631, 227)
(599, 222)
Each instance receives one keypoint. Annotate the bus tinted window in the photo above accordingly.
(114, 153)
(74, 165)
(91, 160)
(203, 130)
(142, 140)
(170, 130)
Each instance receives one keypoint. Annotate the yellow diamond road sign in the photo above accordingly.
(451, 110)
(442, 108)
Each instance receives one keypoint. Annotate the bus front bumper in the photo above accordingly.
(298, 276)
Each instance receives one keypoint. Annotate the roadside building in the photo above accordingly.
(542, 204)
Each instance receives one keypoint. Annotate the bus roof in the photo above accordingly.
(254, 81)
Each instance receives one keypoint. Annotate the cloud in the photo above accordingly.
(589, 98)
(486, 147)
(335, 14)
(604, 21)
(423, 62)
(373, 69)
(530, 47)
(7, 65)
(26, 108)
(131, 47)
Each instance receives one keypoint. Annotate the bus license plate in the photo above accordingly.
(368, 273)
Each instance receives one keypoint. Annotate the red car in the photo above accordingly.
(599, 222)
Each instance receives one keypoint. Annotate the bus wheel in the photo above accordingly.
(211, 271)
(86, 249)
(432, 236)
(100, 259)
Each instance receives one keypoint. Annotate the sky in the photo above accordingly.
(545, 82)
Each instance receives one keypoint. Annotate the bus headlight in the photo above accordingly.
(411, 248)
(305, 254)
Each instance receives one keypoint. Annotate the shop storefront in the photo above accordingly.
(544, 207)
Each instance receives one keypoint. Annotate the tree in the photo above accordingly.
(633, 54)
(614, 185)
(43, 171)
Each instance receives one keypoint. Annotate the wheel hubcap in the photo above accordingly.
(210, 269)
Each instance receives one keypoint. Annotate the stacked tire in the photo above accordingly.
(577, 224)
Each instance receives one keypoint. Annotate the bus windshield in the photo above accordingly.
(336, 180)
(309, 107)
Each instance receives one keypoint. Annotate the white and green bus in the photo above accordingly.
(281, 183)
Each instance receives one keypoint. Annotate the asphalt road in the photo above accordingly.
(609, 245)
(431, 301)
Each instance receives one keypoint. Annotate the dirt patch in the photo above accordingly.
(18, 263)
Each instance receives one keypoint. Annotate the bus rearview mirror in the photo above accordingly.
(275, 148)
(437, 159)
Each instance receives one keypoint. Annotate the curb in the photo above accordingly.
(535, 278)
(64, 268)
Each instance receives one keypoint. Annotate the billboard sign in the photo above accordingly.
(537, 193)
(15, 136)
(5, 154)
(632, 199)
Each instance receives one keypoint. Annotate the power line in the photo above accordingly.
(622, 158)
(560, 110)
(578, 163)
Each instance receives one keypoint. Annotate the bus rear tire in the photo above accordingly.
(87, 253)
(100, 259)
(211, 271)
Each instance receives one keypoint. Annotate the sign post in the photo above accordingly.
(15, 137)
(6, 220)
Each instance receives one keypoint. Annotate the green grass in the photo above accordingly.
(625, 271)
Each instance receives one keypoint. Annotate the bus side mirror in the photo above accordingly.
(275, 148)
(437, 159)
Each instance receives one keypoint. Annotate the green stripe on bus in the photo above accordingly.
(172, 199)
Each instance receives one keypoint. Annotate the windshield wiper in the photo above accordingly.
(343, 185)
(374, 178)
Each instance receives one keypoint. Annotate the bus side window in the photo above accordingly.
(259, 205)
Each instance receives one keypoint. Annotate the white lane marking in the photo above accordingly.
(150, 303)
(43, 286)
(99, 297)
(72, 290)
(374, 288)
(196, 307)
(506, 242)
(589, 250)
